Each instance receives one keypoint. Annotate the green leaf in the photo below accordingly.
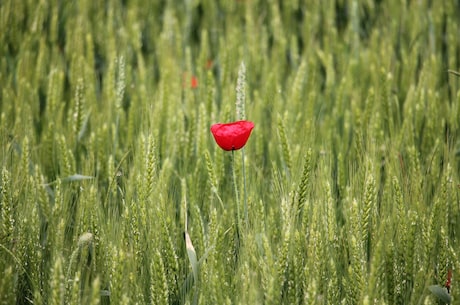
(76, 177)
(441, 293)
(191, 256)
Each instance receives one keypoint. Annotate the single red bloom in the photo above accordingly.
(232, 136)
(194, 82)
(189, 81)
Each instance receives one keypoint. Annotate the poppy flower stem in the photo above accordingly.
(246, 216)
(237, 193)
(235, 184)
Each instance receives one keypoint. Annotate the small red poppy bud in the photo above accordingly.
(232, 136)
(449, 280)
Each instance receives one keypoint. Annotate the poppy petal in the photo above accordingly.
(232, 136)
(194, 82)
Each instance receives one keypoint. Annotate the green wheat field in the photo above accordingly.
(113, 190)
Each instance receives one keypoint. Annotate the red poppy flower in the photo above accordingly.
(232, 136)
(194, 82)
(189, 81)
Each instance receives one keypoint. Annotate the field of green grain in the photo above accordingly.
(113, 190)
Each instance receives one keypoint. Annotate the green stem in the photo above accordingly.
(238, 220)
(246, 216)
